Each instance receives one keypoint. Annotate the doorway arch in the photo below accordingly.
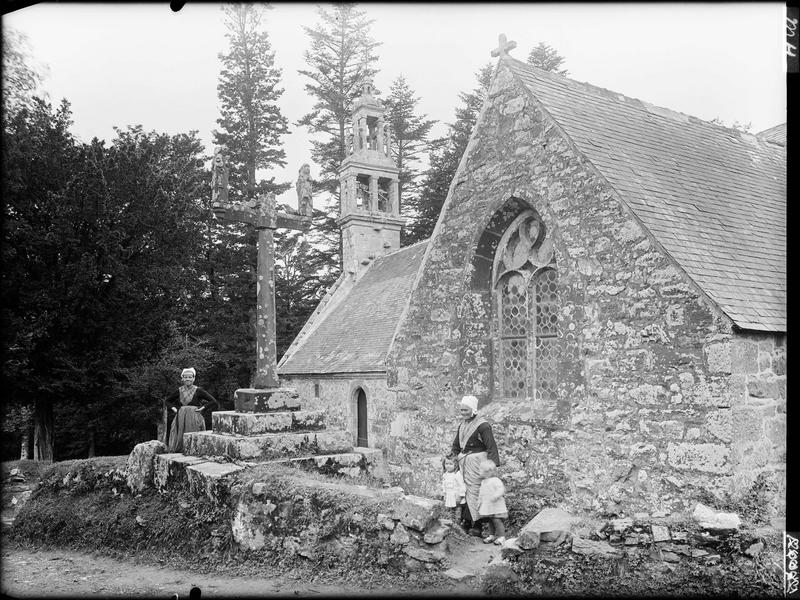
(362, 438)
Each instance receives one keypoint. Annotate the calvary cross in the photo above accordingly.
(503, 46)
(266, 218)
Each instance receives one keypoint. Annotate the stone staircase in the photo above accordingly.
(270, 426)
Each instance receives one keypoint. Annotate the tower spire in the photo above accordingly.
(369, 214)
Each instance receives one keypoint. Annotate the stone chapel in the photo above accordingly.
(607, 276)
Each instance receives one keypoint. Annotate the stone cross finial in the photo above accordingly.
(504, 46)
(219, 176)
(303, 186)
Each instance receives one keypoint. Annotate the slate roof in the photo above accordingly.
(775, 134)
(355, 335)
(715, 198)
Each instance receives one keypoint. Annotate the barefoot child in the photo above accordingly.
(492, 504)
(453, 488)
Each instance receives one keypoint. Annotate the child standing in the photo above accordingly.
(453, 488)
(492, 503)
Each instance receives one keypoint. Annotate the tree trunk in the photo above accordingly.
(91, 452)
(162, 432)
(43, 430)
(23, 449)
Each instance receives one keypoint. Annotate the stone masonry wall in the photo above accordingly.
(337, 396)
(658, 399)
(753, 422)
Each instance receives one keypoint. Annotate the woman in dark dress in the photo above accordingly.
(187, 406)
(473, 444)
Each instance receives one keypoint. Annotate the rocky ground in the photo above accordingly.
(50, 567)
(155, 544)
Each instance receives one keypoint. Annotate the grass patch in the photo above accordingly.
(32, 470)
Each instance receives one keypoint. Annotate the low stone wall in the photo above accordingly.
(314, 519)
(709, 553)
(283, 512)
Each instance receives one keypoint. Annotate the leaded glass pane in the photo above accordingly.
(515, 373)
(546, 367)
(514, 306)
(546, 287)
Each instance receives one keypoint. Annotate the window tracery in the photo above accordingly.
(526, 285)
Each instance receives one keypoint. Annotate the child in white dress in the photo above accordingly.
(453, 488)
(492, 503)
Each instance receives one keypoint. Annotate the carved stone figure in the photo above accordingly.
(219, 176)
(362, 133)
(304, 192)
(379, 130)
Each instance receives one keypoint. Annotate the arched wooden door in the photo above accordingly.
(361, 416)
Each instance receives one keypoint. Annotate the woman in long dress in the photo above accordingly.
(473, 444)
(187, 406)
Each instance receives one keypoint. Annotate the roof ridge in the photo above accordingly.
(676, 171)
(630, 100)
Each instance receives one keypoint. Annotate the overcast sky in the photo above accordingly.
(131, 64)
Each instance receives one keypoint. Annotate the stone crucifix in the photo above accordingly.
(265, 217)
(503, 46)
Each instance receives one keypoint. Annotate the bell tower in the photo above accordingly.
(370, 213)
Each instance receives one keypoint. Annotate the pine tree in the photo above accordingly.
(251, 126)
(21, 79)
(444, 157)
(547, 58)
(341, 58)
(251, 122)
(409, 136)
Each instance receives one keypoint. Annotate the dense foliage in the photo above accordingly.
(95, 271)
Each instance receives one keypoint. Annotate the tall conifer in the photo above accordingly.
(341, 58)
(251, 126)
(251, 123)
(409, 138)
(444, 156)
(547, 58)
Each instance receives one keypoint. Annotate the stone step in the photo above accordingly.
(237, 423)
(352, 464)
(266, 446)
(261, 400)
(200, 476)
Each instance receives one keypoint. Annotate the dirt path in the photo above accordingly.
(38, 574)
(67, 573)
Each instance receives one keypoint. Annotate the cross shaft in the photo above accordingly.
(263, 215)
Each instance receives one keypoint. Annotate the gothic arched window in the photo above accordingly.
(526, 291)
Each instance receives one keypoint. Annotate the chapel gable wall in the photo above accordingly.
(639, 377)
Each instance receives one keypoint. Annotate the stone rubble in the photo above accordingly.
(708, 518)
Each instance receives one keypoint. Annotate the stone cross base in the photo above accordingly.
(259, 400)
